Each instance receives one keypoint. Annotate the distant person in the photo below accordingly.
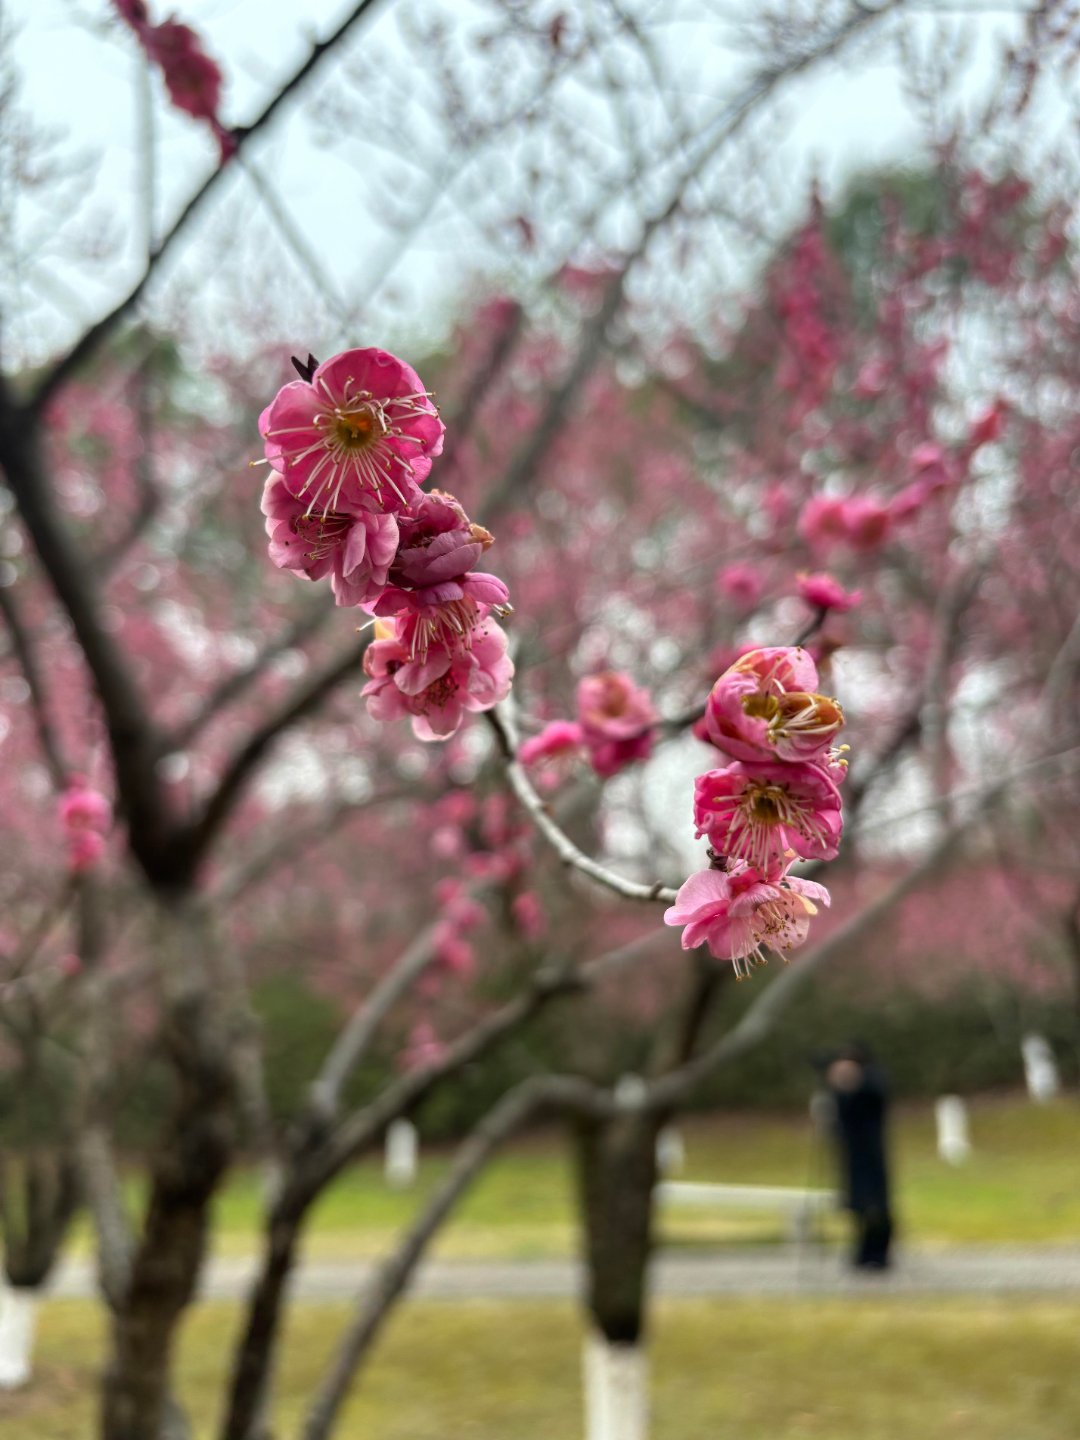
(860, 1098)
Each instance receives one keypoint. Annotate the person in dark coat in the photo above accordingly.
(860, 1097)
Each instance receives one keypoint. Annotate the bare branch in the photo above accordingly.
(509, 1115)
(132, 738)
(355, 1039)
(234, 685)
(305, 699)
(100, 331)
(23, 646)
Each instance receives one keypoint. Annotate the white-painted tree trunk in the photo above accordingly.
(18, 1322)
(1040, 1069)
(402, 1154)
(953, 1135)
(616, 1390)
(670, 1151)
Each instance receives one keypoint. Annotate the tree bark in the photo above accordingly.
(189, 1163)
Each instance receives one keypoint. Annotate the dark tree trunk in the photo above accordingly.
(187, 1168)
(617, 1170)
(255, 1355)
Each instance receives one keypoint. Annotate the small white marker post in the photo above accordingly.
(953, 1133)
(1040, 1069)
(402, 1154)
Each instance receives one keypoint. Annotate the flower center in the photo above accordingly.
(358, 427)
(804, 713)
(766, 803)
(439, 692)
(321, 533)
(760, 706)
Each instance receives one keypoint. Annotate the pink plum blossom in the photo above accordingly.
(85, 815)
(354, 548)
(823, 521)
(85, 849)
(443, 616)
(529, 915)
(742, 584)
(859, 521)
(192, 79)
(910, 500)
(866, 523)
(423, 1047)
(438, 690)
(453, 953)
(362, 433)
(438, 542)
(767, 706)
(763, 811)
(616, 718)
(824, 592)
(83, 808)
(735, 911)
(558, 737)
(988, 426)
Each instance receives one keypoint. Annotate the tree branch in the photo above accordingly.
(537, 811)
(234, 685)
(302, 702)
(509, 1115)
(23, 647)
(100, 331)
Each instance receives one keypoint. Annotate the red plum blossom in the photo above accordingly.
(616, 718)
(824, 592)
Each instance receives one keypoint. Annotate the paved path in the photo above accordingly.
(789, 1270)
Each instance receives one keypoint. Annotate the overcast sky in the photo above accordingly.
(79, 72)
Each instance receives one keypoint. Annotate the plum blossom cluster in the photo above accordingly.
(614, 727)
(775, 802)
(349, 446)
(85, 816)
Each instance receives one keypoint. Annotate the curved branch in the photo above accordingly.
(537, 811)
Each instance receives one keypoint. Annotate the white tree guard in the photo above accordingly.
(616, 1390)
(402, 1154)
(1040, 1069)
(18, 1323)
(953, 1134)
(670, 1151)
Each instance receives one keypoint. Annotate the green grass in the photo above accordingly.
(1022, 1185)
(862, 1368)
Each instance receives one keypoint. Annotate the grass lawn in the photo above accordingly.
(862, 1368)
(1022, 1184)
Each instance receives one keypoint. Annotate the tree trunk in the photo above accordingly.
(617, 1174)
(254, 1360)
(18, 1322)
(185, 1173)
